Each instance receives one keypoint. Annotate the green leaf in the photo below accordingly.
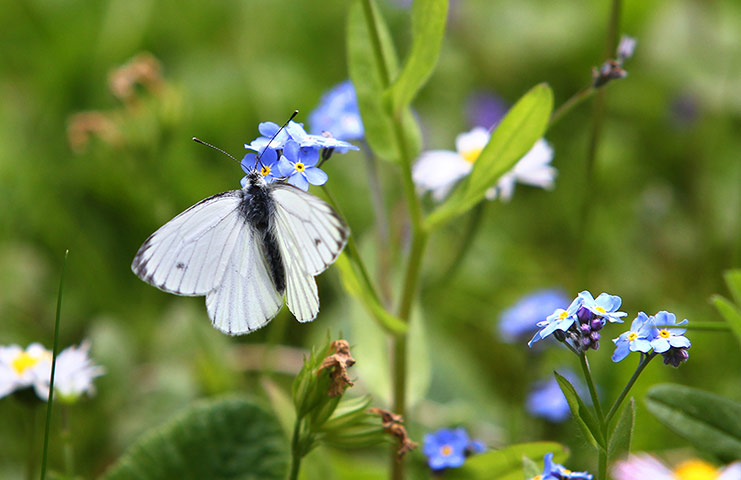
(507, 463)
(730, 313)
(583, 415)
(530, 468)
(229, 438)
(428, 27)
(733, 281)
(710, 422)
(373, 64)
(523, 125)
(623, 432)
(351, 283)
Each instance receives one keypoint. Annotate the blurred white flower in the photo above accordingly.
(437, 171)
(24, 368)
(644, 466)
(74, 374)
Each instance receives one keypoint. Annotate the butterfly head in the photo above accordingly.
(256, 177)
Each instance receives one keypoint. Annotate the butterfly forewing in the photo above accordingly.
(190, 253)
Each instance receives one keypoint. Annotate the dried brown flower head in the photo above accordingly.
(392, 423)
(338, 362)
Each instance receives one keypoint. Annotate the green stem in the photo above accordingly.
(628, 386)
(602, 472)
(55, 351)
(569, 104)
(296, 453)
(590, 384)
(472, 229)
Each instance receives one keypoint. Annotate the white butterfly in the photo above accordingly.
(244, 250)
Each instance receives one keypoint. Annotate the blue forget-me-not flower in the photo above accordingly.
(554, 471)
(338, 113)
(559, 320)
(521, 318)
(448, 448)
(658, 333)
(637, 339)
(298, 166)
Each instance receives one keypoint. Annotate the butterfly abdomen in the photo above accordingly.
(258, 209)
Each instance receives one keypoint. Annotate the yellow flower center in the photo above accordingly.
(600, 309)
(566, 471)
(538, 477)
(664, 333)
(695, 470)
(300, 167)
(265, 170)
(446, 450)
(23, 362)
(632, 336)
(563, 314)
(471, 155)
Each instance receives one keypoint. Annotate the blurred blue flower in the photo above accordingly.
(298, 166)
(559, 320)
(604, 306)
(338, 114)
(666, 337)
(546, 400)
(520, 320)
(266, 163)
(554, 471)
(448, 448)
(637, 339)
(484, 109)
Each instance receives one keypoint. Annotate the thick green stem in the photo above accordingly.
(628, 386)
(603, 460)
(296, 453)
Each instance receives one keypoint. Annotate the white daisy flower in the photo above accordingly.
(24, 368)
(74, 374)
(437, 171)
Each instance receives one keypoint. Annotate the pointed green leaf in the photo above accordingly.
(733, 280)
(373, 65)
(428, 27)
(523, 125)
(583, 415)
(730, 313)
(507, 463)
(710, 422)
(623, 432)
(530, 468)
(217, 439)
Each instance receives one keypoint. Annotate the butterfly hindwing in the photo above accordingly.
(310, 236)
(190, 253)
(246, 298)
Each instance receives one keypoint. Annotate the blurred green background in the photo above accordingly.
(665, 202)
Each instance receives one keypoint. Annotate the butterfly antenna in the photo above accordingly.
(198, 140)
(257, 158)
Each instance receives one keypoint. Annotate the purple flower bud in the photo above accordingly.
(595, 345)
(594, 336)
(584, 327)
(584, 315)
(675, 356)
(597, 324)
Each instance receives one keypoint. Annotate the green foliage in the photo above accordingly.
(228, 438)
(583, 416)
(507, 463)
(730, 312)
(525, 123)
(622, 433)
(372, 75)
(710, 422)
(428, 26)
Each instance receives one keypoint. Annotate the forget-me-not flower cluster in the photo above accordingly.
(554, 471)
(290, 154)
(520, 319)
(579, 324)
(659, 333)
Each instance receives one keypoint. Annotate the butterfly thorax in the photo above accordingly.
(258, 209)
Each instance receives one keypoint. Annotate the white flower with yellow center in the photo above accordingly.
(23, 368)
(437, 171)
(73, 375)
(644, 466)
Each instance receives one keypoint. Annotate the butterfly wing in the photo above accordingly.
(190, 254)
(310, 236)
(246, 298)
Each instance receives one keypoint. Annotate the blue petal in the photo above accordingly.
(291, 151)
(660, 345)
(309, 156)
(268, 129)
(248, 162)
(680, 342)
(316, 176)
(640, 345)
(299, 181)
(622, 351)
